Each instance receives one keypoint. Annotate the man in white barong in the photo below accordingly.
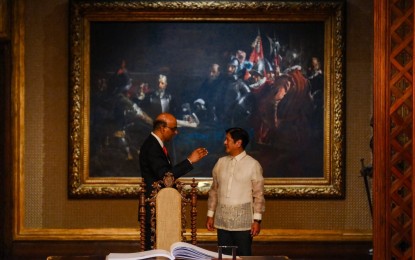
(236, 198)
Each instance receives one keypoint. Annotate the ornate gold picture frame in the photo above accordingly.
(119, 50)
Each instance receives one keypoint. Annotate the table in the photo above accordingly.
(91, 257)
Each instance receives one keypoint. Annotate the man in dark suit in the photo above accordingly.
(155, 161)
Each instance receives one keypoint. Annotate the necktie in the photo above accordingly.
(165, 151)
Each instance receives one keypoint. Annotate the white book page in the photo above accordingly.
(189, 251)
(140, 255)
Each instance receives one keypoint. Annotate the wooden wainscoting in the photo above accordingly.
(296, 250)
(297, 244)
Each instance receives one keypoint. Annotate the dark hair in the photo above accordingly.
(157, 124)
(239, 134)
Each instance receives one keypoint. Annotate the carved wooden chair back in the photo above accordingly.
(168, 204)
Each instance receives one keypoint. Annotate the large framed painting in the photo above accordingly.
(275, 69)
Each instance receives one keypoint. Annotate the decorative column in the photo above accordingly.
(393, 230)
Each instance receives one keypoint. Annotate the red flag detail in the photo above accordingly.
(257, 51)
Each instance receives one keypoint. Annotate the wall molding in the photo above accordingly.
(132, 234)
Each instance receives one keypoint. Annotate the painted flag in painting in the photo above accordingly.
(257, 50)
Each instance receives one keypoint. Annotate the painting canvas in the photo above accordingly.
(127, 60)
(272, 77)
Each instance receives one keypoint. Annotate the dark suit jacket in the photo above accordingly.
(154, 164)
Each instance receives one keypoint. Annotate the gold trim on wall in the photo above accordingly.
(17, 118)
(330, 185)
(131, 234)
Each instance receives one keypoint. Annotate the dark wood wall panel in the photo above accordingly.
(393, 157)
(5, 131)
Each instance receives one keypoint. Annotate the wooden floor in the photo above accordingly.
(321, 250)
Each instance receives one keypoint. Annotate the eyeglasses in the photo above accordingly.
(174, 129)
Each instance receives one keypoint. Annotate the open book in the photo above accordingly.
(180, 250)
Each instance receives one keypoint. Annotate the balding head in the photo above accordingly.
(163, 120)
(165, 126)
